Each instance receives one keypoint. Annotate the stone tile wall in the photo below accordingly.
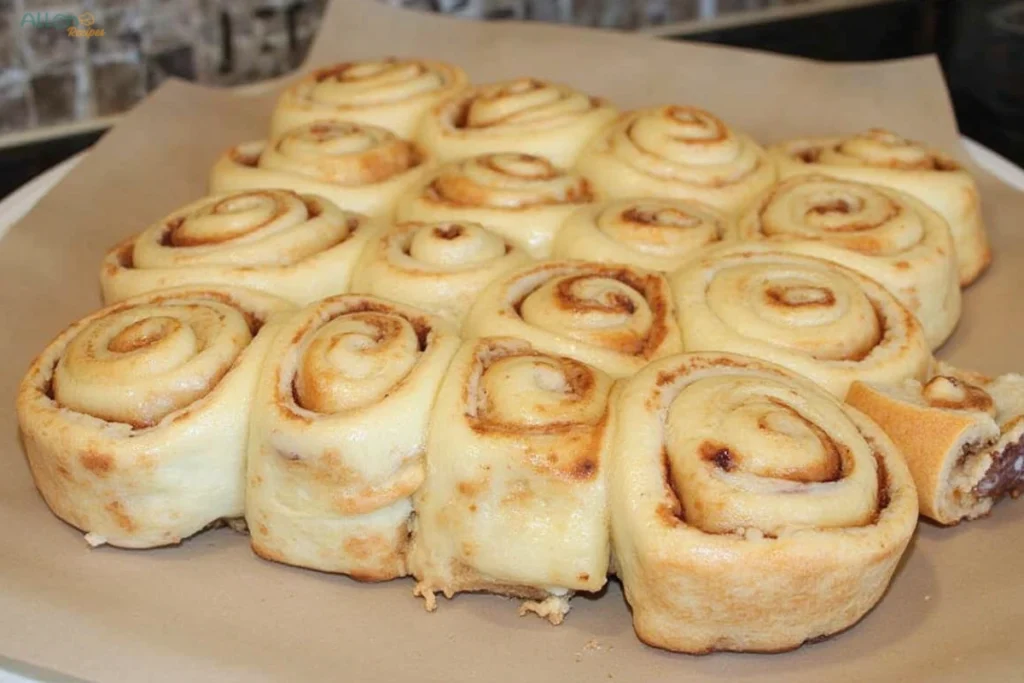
(48, 77)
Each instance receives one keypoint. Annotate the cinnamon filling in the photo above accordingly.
(1005, 475)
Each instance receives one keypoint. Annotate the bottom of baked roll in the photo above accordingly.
(551, 606)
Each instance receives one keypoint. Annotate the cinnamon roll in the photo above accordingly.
(885, 234)
(523, 198)
(677, 152)
(883, 158)
(392, 93)
(615, 318)
(962, 435)
(657, 234)
(514, 500)
(299, 247)
(438, 267)
(339, 428)
(523, 115)
(751, 511)
(815, 317)
(357, 166)
(135, 417)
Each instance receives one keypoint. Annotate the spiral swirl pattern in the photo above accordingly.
(391, 93)
(524, 198)
(733, 473)
(337, 446)
(300, 247)
(615, 318)
(677, 152)
(875, 147)
(883, 158)
(439, 267)
(135, 417)
(885, 234)
(361, 167)
(525, 115)
(657, 234)
(817, 318)
(518, 440)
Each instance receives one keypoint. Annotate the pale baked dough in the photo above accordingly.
(360, 167)
(515, 499)
(885, 234)
(391, 93)
(523, 198)
(339, 427)
(298, 247)
(815, 317)
(527, 115)
(884, 158)
(751, 510)
(614, 317)
(651, 233)
(439, 267)
(135, 417)
(677, 152)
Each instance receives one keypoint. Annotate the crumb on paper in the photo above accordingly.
(237, 524)
(429, 600)
(591, 645)
(95, 540)
(927, 597)
(553, 608)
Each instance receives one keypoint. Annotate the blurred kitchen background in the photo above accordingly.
(58, 94)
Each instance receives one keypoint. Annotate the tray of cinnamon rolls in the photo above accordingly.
(509, 338)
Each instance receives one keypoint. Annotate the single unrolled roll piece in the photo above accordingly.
(751, 510)
(613, 317)
(439, 267)
(884, 158)
(656, 234)
(360, 167)
(135, 417)
(885, 234)
(962, 435)
(815, 317)
(339, 429)
(297, 246)
(391, 93)
(523, 115)
(523, 198)
(677, 152)
(514, 500)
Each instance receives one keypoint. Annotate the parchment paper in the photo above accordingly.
(210, 610)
